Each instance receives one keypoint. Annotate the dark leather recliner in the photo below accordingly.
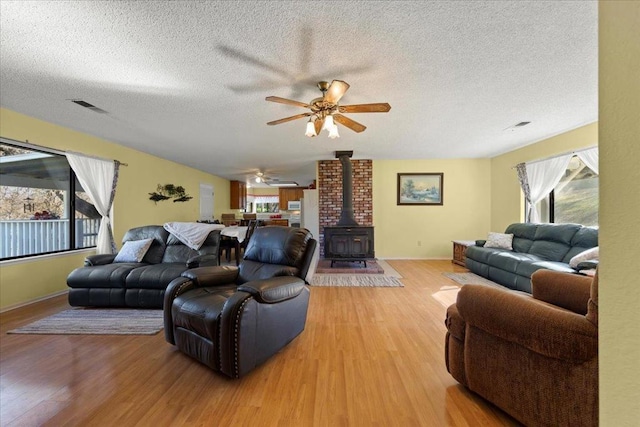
(232, 319)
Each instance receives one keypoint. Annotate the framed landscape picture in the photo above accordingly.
(420, 188)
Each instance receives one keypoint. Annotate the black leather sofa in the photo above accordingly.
(232, 319)
(103, 283)
(535, 247)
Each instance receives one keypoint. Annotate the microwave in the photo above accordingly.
(293, 205)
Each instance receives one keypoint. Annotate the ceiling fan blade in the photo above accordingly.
(286, 101)
(287, 119)
(318, 125)
(345, 121)
(336, 90)
(382, 107)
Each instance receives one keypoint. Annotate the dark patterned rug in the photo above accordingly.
(346, 267)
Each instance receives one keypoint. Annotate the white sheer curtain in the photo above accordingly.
(542, 177)
(98, 179)
(590, 158)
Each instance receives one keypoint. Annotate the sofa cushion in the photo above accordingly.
(133, 250)
(550, 251)
(509, 261)
(481, 254)
(528, 268)
(523, 235)
(176, 251)
(585, 238)
(102, 276)
(523, 230)
(156, 276)
(561, 233)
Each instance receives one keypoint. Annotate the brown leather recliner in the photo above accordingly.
(534, 356)
(232, 319)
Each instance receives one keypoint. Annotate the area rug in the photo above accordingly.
(355, 280)
(347, 267)
(469, 278)
(94, 321)
(388, 270)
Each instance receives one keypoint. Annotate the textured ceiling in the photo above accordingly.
(187, 80)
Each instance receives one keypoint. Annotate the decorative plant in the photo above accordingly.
(168, 191)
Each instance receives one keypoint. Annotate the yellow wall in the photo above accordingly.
(619, 97)
(132, 206)
(507, 202)
(465, 214)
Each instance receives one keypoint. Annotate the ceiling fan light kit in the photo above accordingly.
(311, 129)
(325, 110)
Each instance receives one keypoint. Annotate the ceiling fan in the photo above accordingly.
(325, 110)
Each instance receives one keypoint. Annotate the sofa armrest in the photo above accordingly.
(566, 290)
(212, 276)
(588, 265)
(207, 260)
(275, 289)
(518, 318)
(99, 259)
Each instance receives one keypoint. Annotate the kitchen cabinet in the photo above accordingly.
(290, 195)
(238, 195)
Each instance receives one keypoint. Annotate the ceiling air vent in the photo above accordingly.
(91, 107)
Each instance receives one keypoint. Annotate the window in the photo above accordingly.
(574, 199)
(43, 207)
(265, 204)
(267, 207)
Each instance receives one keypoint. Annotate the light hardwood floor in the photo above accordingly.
(368, 357)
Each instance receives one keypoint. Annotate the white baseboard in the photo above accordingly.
(22, 304)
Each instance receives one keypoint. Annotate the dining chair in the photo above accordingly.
(248, 217)
(227, 243)
(228, 219)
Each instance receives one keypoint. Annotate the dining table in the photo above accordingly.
(238, 233)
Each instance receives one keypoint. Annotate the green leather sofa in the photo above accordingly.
(535, 247)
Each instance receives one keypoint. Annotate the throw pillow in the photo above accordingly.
(133, 250)
(500, 241)
(589, 254)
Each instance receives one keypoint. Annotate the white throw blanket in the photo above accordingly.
(192, 234)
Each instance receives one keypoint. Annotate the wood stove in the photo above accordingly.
(348, 241)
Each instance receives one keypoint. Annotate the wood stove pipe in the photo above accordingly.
(346, 215)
